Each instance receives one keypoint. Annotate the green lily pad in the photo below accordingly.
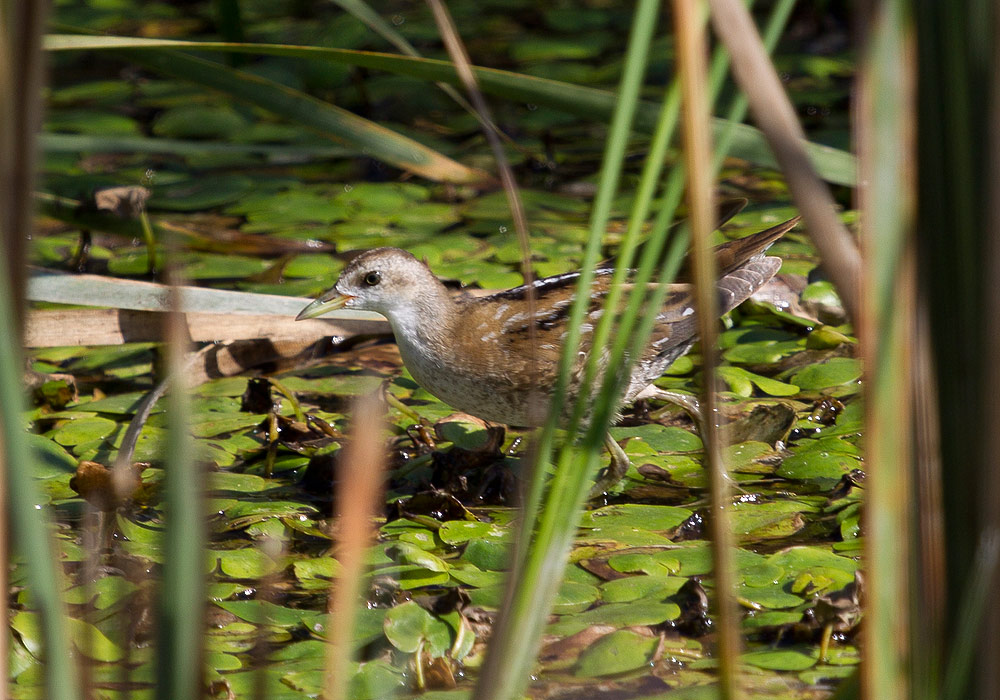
(741, 382)
(631, 515)
(822, 292)
(781, 659)
(374, 679)
(212, 425)
(818, 464)
(754, 335)
(487, 554)
(694, 560)
(768, 519)
(408, 553)
(770, 618)
(745, 456)
(408, 625)
(472, 576)
(632, 614)
(465, 434)
(801, 560)
(624, 590)
(424, 539)
(834, 372)
(574, 597)
(456, 532)
(82, 430)
(826, 338)
(661, 438)
(270, 211)
(122, 404)
(87, 639)
(104, 592)
(771, 597)
(411, 577)
(618, 652)
(232, 481)
(262, 612)
(246, 563)
(341, 383)
(640, 562)
(92, 122)
(51, 460)
(761, 353)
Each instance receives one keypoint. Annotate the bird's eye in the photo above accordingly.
(373, 278)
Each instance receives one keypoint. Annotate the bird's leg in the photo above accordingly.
(691, 406)
(689, 403)
(615, 471)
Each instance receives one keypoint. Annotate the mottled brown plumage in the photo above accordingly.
(479, 354)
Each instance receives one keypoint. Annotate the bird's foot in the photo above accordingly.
(614, 472)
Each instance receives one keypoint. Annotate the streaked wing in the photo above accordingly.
(504, 323)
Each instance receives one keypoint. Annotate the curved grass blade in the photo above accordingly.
(833, 165)
(329, 120)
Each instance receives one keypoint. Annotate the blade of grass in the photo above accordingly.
(329, 120)
(930, 598)
(989, 500)
(537, 569)
(21, 82)
(959, 209)
(180, 632)
(692, 45)
(886, 326)
(773, 112)
(748, 143)
(979, 588)
(30, 525)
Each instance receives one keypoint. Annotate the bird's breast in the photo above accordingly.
(465, 383)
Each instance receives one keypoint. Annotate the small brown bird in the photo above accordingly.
(479, 355)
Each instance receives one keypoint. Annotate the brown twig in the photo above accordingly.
(692, 52)
(361, 471)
